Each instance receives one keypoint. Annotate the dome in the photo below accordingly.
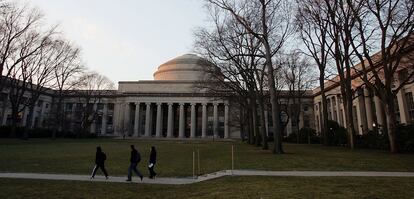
(188, 67)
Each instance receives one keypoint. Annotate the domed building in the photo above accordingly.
(188, 67)
(171, 105)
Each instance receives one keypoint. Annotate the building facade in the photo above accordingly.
(171, 106)
(368, 110)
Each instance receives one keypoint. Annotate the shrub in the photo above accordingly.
(42, 133)
(405, 138)
(306, 135)
(337, 135)
(373, 140)
(5, 131)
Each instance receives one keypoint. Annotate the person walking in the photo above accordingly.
(135, 159)
(152, 161)
(100, 158)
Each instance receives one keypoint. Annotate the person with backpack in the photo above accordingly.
(152, 161)
(100, 158)
(135, 159)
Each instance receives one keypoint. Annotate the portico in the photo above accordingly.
(179, 119)
(171, 105)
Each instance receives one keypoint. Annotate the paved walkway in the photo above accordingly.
(190, 180)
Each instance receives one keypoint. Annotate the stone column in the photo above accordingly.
(136, 122)
(402, 107)
(33, 116)
(267, 122)
(181, 122)
(127, 121)
(204, 121)
(170, 121)
(24, 117)
(226, 120)
(343, 113)
(104, 118)
(147, 119)
(332, 99)
(380, 112)
(42, 113)
(193, 120)
(368, 107)
(338, 117)
(117, 118)
(4, 110)
(93, 124)
(159, 122)
(215, 119)
(362, 111)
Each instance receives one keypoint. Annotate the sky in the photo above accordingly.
(126, 40)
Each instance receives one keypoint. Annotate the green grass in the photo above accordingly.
(228, 187)
(175, 158)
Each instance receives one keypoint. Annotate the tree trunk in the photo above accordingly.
(350, 122)
(391, 123)
(277, 134)
(263, 125)
(242, 123)
(58, 118)
(29, 122)
(250, 127)
(257, 137)
(324, 118)
(14, 117)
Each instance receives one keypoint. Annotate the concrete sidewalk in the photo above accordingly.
(116, 179)
(190, 180)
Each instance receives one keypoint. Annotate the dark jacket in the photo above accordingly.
(135, 156)
(100, 158)
(153, 157)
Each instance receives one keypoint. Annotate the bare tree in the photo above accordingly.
(269, 22)
(19, 29)
(386, 25)
(67, 69)
(23, 40)
(341, 25)
(312, 22)
(91, 89)
(40, 78)
(300, 78)
(233, 51)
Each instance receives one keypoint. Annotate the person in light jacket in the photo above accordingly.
(152, 161)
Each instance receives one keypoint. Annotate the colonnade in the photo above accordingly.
(368, 113)
(134, 122)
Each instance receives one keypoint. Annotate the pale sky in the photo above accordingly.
(126, 40)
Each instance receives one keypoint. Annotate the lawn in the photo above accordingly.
(175, 157)
(228, 187)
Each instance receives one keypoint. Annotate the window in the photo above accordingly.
(39, 103)
(306, 121)
(410, 105)
(110, 106)
(100, 107)
(69, 106)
